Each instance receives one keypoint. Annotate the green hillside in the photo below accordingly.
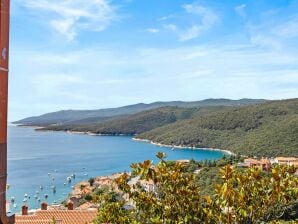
(268, 129)
(94, 116)
(137, 123)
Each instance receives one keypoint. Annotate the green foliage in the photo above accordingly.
(242, 196)
(137, 123)
(206, 178)
(91, 181)
(269, 129)
(88, 197)
(77, 117)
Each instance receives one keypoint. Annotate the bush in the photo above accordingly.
(88, 197)
(246, 196)
(91, 181)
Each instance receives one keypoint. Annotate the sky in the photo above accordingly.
(78, 54)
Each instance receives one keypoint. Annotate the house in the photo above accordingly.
(263, 163)
(48, 216)
(290, 161)
(60, 217)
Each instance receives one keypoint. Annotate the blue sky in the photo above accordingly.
(78, 54)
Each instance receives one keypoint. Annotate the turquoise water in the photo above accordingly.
(33, 155)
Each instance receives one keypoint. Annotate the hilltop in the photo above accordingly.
(95, 116)
(268, 129)
(137, 123)
(250, 127)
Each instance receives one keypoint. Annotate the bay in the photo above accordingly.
(47, 158)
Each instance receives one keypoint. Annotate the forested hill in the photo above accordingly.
(138, 123)
(268, 129)
(95, 116)
(264, 129)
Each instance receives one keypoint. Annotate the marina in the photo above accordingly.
(45, 166)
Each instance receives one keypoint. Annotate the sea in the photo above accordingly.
(39, 163)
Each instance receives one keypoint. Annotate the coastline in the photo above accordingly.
(40, 128)
(182, 146)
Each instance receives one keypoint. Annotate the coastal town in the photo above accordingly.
(148, 112)
(84, 201)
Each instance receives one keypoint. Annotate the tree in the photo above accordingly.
(91, 181)
(243, 197)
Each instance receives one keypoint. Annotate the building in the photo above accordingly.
(263, 163)
(58, 216)
(290, 161)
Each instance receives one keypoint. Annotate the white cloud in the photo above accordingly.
(200, 20)
(109, 78)
(68, 17)
(152, 30)
(263, 40)
(207, 20)
(171, 27)
(288, 29)
(240, 10)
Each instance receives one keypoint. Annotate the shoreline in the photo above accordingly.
(39, 128)
(182, 146)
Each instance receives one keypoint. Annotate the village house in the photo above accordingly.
(263, 163)
(47, 215)
(266, 163)
(290, 161)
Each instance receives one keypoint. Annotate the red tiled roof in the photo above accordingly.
(60, 216)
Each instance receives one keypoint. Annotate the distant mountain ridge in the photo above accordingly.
(248, 127)
(94, 116)
(136, 123)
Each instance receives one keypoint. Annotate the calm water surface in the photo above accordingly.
(47, 158)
